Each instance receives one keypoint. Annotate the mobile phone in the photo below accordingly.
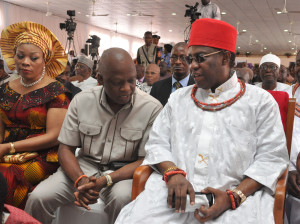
(200, 199)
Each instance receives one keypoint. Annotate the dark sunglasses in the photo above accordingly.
(199, 58)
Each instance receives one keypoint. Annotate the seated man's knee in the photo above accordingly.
(121, 191)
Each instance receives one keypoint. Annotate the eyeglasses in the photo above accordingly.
(182, 58)
(199, 58)
(80, 66)
(265, 67)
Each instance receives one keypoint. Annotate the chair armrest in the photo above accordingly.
(280, 198)
(140, 176)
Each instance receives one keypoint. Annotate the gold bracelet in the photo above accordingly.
(170, 168)
(109, 180)
(240, 194)
(12, 148)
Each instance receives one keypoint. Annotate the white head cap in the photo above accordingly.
(270, 58)
(85, 60)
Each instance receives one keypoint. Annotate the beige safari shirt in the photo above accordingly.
(104, 136)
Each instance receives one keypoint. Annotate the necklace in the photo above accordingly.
(33, 83)
(218, 106)
(297, 111)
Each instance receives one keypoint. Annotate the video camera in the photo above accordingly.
(69, 24)
(95, 44)
(94, 41)
(192, 12)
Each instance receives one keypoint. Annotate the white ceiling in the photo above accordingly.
(258, 17)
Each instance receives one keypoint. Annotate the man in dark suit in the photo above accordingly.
(161, 90)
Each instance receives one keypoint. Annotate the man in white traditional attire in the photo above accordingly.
(83, 70)
(225, 136)
(269, 72)
(293, 198)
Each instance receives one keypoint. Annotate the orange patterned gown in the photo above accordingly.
(25, 117)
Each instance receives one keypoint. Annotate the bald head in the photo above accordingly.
(114, 60)
(180, 45)
(118, 74)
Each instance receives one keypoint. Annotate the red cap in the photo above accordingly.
(213, 33)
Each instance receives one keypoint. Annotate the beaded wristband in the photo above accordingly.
(170, 168)
(178, 171)
(78, 179)
(229, 193)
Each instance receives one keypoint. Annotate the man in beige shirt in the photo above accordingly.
(110, 123)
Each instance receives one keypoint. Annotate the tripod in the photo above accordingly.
(186, 33)
(70, 41)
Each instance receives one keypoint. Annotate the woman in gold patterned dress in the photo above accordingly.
(32, 107)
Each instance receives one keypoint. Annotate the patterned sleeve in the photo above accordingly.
(61, 101)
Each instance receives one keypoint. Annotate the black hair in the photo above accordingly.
(147, 32)
(168, 47)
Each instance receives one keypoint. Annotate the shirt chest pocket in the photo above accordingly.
(130, 140)
(89, 134)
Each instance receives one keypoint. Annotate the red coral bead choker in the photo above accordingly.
(218, 106)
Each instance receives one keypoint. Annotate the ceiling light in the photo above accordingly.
(256, 41)
(247, 52)
(293, 48)
(128, 14)
(170, 30)
(79, 12)
(286, 30)
(239, 47)
(87, 15)
(279, 12)
(244, 30)
(174, 14)
(290, 41)
(265, 48)
(223, 13)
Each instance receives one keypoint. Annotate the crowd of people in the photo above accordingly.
(73, 130)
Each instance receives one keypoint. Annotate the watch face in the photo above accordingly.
(109, 180)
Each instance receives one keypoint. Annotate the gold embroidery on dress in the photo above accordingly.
(204, 159)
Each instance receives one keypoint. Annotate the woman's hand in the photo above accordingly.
(180, 186)
(4, 149)
(222, 204)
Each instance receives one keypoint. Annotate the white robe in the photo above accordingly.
(244, 139)
(86, 84)
(279, 87)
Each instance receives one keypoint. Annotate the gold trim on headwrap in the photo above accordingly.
(29, 32)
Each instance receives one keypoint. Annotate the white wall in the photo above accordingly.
(10, 14)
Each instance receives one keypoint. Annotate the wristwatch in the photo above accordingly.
(12, 148)
(109, 180)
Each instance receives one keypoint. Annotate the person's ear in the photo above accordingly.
(226, 57)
